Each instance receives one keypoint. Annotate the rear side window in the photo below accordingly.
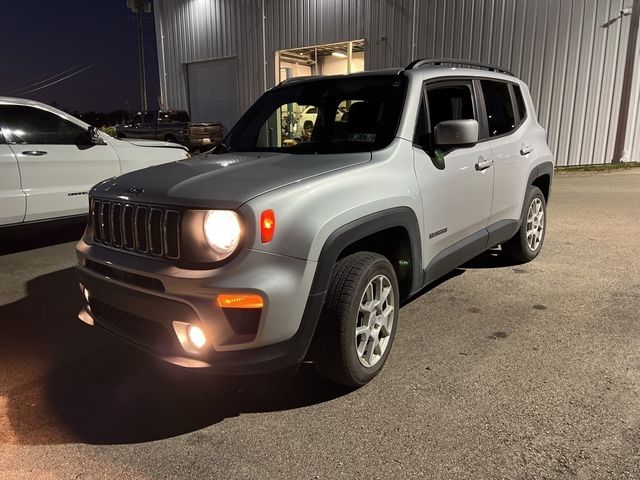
(29, 125)
(500, 113)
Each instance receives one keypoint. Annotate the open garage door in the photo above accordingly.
(213, 91)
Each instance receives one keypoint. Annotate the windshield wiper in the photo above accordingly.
(221, 148)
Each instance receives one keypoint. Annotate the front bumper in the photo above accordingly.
(140, 302)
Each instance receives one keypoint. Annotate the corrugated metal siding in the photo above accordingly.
(571, 59)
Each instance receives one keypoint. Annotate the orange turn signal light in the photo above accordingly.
(240, 300)
(267, 225)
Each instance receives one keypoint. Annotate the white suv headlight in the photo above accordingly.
(222, 230)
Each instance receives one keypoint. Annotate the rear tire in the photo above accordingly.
(170, 138)
(526, 244)
(359, 319)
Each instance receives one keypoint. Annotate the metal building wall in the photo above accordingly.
(570, 52)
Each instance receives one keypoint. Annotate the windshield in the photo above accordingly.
(332, 115)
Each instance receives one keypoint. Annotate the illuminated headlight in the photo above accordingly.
(222, 230)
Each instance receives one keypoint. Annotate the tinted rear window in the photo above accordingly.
(500, 113)
(173, 117)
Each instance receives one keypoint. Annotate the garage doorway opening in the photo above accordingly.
(328, 59)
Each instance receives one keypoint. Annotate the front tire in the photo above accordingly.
(359, 320)
(526, 244)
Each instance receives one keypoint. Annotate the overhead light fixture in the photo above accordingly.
(339, 53)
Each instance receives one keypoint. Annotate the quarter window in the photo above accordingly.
(500, 114)
(29, 125)
(522, 110)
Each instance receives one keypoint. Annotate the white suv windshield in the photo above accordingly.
(323, 116)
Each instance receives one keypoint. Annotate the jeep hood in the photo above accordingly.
(221, 181)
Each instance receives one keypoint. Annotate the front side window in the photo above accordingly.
(451, 102)
(29, 125)
(148, 117)
(323, 116)
(444, 102)
(497, 100)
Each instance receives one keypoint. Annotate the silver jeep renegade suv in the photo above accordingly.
(296, 240)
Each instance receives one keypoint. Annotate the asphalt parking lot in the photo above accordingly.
(501, 371)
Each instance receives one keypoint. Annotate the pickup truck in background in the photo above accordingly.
(172, 126)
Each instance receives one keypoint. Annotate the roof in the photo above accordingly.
(43, 106)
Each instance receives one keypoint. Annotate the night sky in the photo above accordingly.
(44, 38)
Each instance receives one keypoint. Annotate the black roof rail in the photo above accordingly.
(456, 61)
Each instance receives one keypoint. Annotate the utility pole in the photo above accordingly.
(139, 7)
(627, 82)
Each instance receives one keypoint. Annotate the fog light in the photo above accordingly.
(196, 336)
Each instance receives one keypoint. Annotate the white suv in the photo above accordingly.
(49, 160)
(264, 252)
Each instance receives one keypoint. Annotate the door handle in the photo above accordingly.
(483, 164)
(526, 150)
(34, 153)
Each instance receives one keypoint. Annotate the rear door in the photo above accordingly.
(12, 198)
(507, 137)
(457, 189)
(57, 164)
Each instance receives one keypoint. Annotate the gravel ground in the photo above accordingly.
(501, 371)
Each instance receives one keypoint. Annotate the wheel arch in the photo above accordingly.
(393, 233)
(541, 177)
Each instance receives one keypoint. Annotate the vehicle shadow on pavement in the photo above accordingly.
(31, 237)
(494, 258)
(62, 381)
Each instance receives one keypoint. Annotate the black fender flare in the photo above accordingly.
(545, 168)
(355, 230)
(344, 236)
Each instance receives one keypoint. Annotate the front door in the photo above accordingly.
(456, 185)
(12, 199)
(58, 165)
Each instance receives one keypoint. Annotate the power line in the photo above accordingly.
(59, 80)
(16, 88)
(15, 91)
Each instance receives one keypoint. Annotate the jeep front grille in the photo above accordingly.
(144, 229)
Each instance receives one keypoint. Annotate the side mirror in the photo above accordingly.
(94, 135)
(456, 133)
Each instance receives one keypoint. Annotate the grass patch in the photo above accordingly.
(605, 167)
(109, 130)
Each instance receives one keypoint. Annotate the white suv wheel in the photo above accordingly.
(535, 224)
(375, 321)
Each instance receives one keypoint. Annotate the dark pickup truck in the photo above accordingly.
(172, 126)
